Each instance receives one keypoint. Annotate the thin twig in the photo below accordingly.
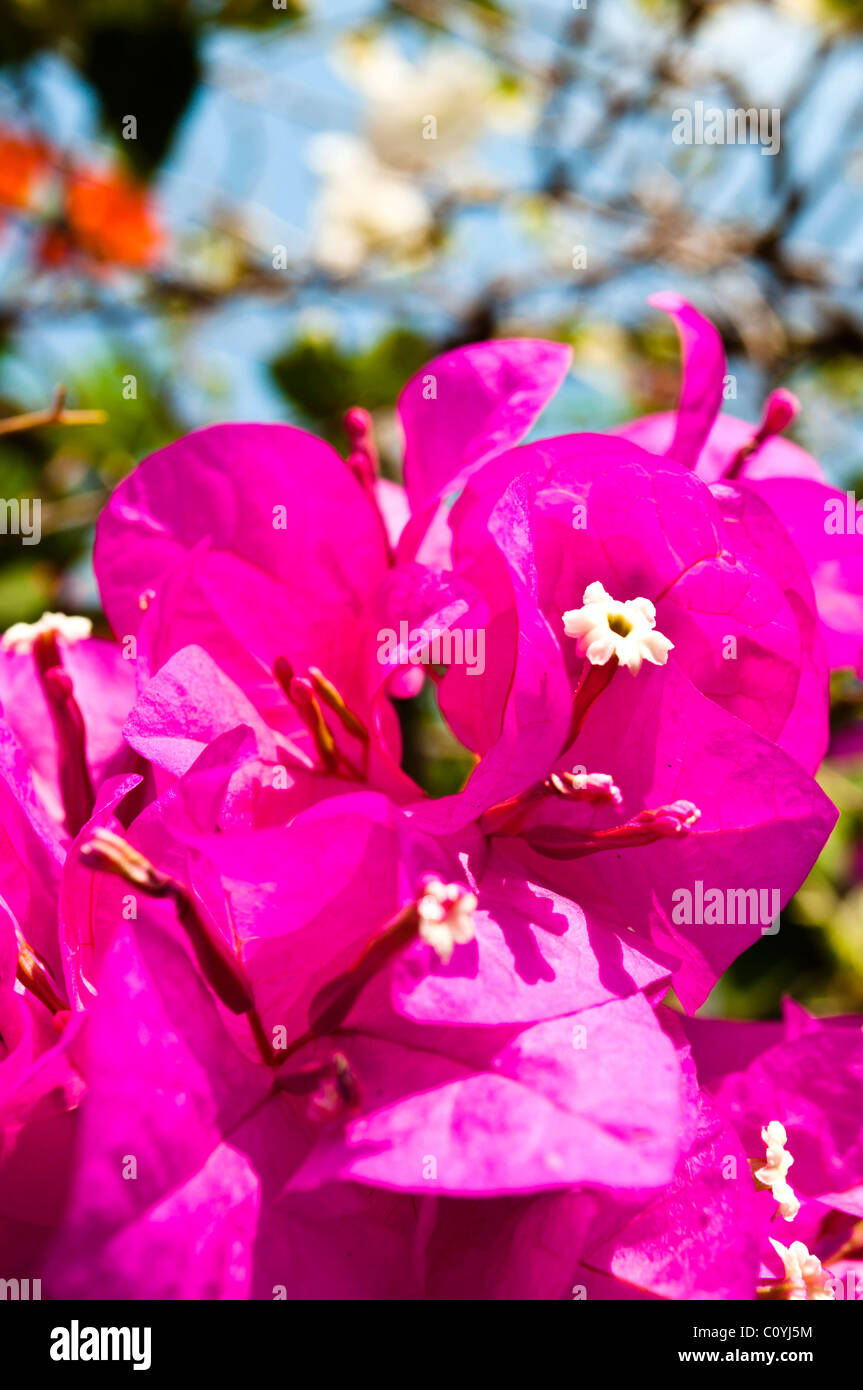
(54, 414)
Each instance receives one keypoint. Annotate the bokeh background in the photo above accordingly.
(230, 209)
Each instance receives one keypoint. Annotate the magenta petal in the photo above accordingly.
(517, 711)
(31, 852)
(699, 1240)
(40, 1096)
(225, 485)
(834, 559)
(535, 956)
(703, 372)
(305, 900)
(103, 683)
(721, 1046)
(589, 508)
(91, 904)
(776, 457)
(506, 1248)
(813, 1084)
(341, 1241)
(590, 1099)
(187, 705)
(167, 1087)
(469, 404)
(763, 821)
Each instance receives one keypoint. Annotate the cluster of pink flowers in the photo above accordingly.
(274, 1023)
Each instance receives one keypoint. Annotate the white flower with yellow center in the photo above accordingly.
(774, 1172)
(446, 917)
(606, 628)
(22, 637)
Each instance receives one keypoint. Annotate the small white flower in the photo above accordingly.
(21, 637)
(774, 1172)
(803, 1271)
(605, 628)
(446, 917)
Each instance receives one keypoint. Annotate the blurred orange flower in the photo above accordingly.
(24, 164)
(112, 219)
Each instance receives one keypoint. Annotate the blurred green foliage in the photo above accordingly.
(322, 380)
(72, 470)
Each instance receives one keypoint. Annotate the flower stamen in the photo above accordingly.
(41, 639)
(307, 694)
(660, 823)
(23, 637)
(780, 408)
(220, 967)
(35, 976)
(592, 787)
(363, 457)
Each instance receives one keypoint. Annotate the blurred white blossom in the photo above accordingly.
(421, 115)
(363, 208)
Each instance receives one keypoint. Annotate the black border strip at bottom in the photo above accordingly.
(250, 1341)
